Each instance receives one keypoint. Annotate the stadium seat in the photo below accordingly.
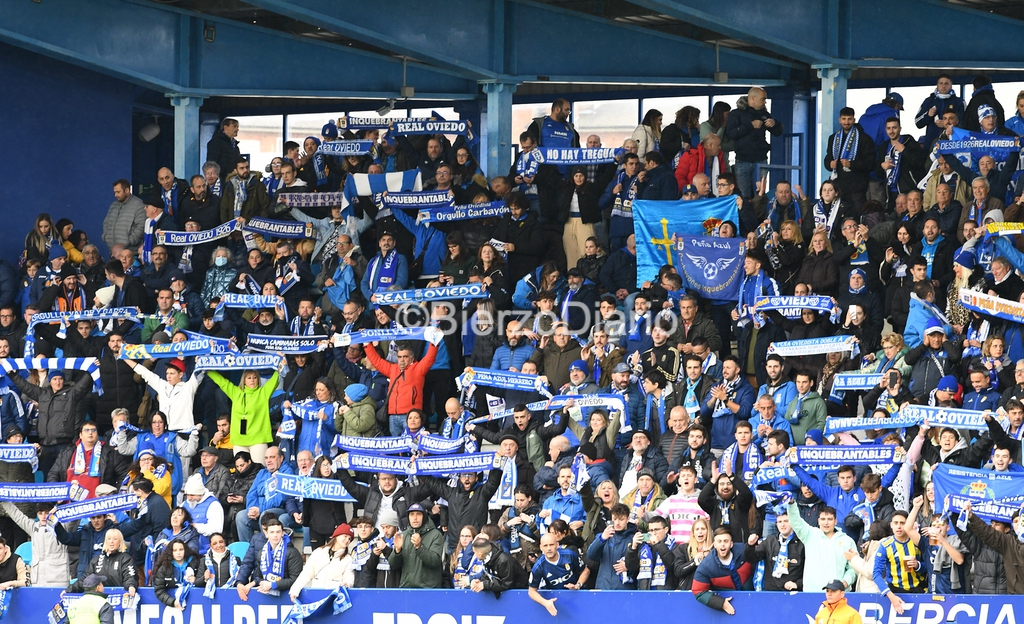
(238, 549)
(25, 552)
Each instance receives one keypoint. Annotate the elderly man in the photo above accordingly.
(260, 499)
(705, 157)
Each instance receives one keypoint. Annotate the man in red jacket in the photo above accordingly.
(405, 379)
(706, 158)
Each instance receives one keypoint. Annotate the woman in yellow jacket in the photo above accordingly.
(250, 411)
(154, 468)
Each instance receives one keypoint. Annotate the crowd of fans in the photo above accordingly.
(670, 502)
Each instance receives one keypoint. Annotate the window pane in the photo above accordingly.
(669, 106)
(612, 120)
(308, 124)
(260, 138)
(860, 99)
(523, 115)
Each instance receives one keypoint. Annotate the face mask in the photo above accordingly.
(220, 261)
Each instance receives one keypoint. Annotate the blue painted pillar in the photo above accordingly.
(186, 136)
(782, 147)
(833, 98)
(499, 126)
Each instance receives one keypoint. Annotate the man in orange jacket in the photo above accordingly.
(835, 609)
(405, 380)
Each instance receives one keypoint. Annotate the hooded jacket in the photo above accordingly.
(49, 557)
(502, 572)
(607, 553)
(58, 411)
(420, 567)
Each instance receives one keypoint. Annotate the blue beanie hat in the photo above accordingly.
(58, 251)
(330, 130)
(965, 259)
(948, 384)
(146, 447)
(56, 373)
(580, 365)
(816, 435)
(932, 326)
(356, 392)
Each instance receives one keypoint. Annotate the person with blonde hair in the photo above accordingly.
(112, 562)
(250, 411)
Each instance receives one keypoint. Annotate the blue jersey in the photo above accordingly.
(565, 571)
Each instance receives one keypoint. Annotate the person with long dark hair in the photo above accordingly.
(579, 212)
(648, 134)
(178, 565)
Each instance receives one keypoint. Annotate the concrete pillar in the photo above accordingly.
(186, 136)
(499, 126)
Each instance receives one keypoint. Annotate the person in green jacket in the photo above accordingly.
(824, 548)
(358, 416)
(806, 411)
(418, 552)
(250, 411)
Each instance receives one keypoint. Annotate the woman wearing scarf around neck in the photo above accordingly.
(221, 565)
(895, 271)
(329, 566)
(182, 529)
(827, 214)
(177, 566)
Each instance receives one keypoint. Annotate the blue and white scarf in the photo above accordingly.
(457, 428)
(40, 492)
(383, 271)
(506, 380)
(68, 317)
(820, 218)
(313, 200)
(791, 307)
(280, 229)
(623, 206)
(440, 293)
(96, 506)
(308, 487)
(211, 567)
(186, 348)
(14, 453)
(426, 126)
(752, 459)
(346, 148)
(296, 327)
(233, 300)
(365, 336)
(273, 561)
(777, 214)
(217, 345)
(308, 410)
(780, 567)
(89, 365)
(814, 346)
(892, 174)
(844, 147)
(896, 421)
(945, 417)
(576, 155)
(447, 214)
(148, 237)
(847, 455)
(433, 466)
(187, 239)
(291, 345)
(659, 403)
(78, 465)
(557, 402)
(237, 361)
(300, 611)
(990, 305)
(241, 193)
(505, 496)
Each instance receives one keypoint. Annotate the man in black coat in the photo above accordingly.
(223, 147)
(580, 301)
(170, 193)
(851, 155)
(384, 491)
(520, 233)
(900, 162)
(504, 571)
(150, 520)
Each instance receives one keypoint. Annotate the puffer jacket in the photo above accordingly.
(989, 571)
(49, 557)
(125, 222)
(503, 572)
(108, 466)
(119, 386)
(58, 418)
(117, 567)
(749, 142)
(325, 570)
(218, 281)
(165, 581)
(360, 420)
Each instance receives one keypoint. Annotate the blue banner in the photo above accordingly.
(248, 302)
(308, 487)
(448, 606)
(974, 483)
(25, 453)
(312, 200)
(426, 126)
(416, 295)
(280, 229)
(37, 492)
(836, 424)
(444, 214)
(659, 224)
(290, 345)
(856, 381)
(507, 380)
(378, 335)
(969, 147)
(712, 266)
(610, 401)
(987, 510)
(345, 148)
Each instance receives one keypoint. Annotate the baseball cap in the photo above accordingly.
(835, 584)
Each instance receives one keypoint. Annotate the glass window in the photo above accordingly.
(913, 97)
(308, 124)
(260, 138)
(1007, 92)
(669, 106)
(612, 120)
(523, 115)
(861, 99)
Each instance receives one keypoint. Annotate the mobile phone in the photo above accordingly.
(646, 537)
(893, 378)
(243, 426)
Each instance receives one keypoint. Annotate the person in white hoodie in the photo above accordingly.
(174, 396)
(49, 567)
(329, 566)
(206, 511)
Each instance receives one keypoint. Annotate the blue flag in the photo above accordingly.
(656, 223)
(975, 484)
(712, 266)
